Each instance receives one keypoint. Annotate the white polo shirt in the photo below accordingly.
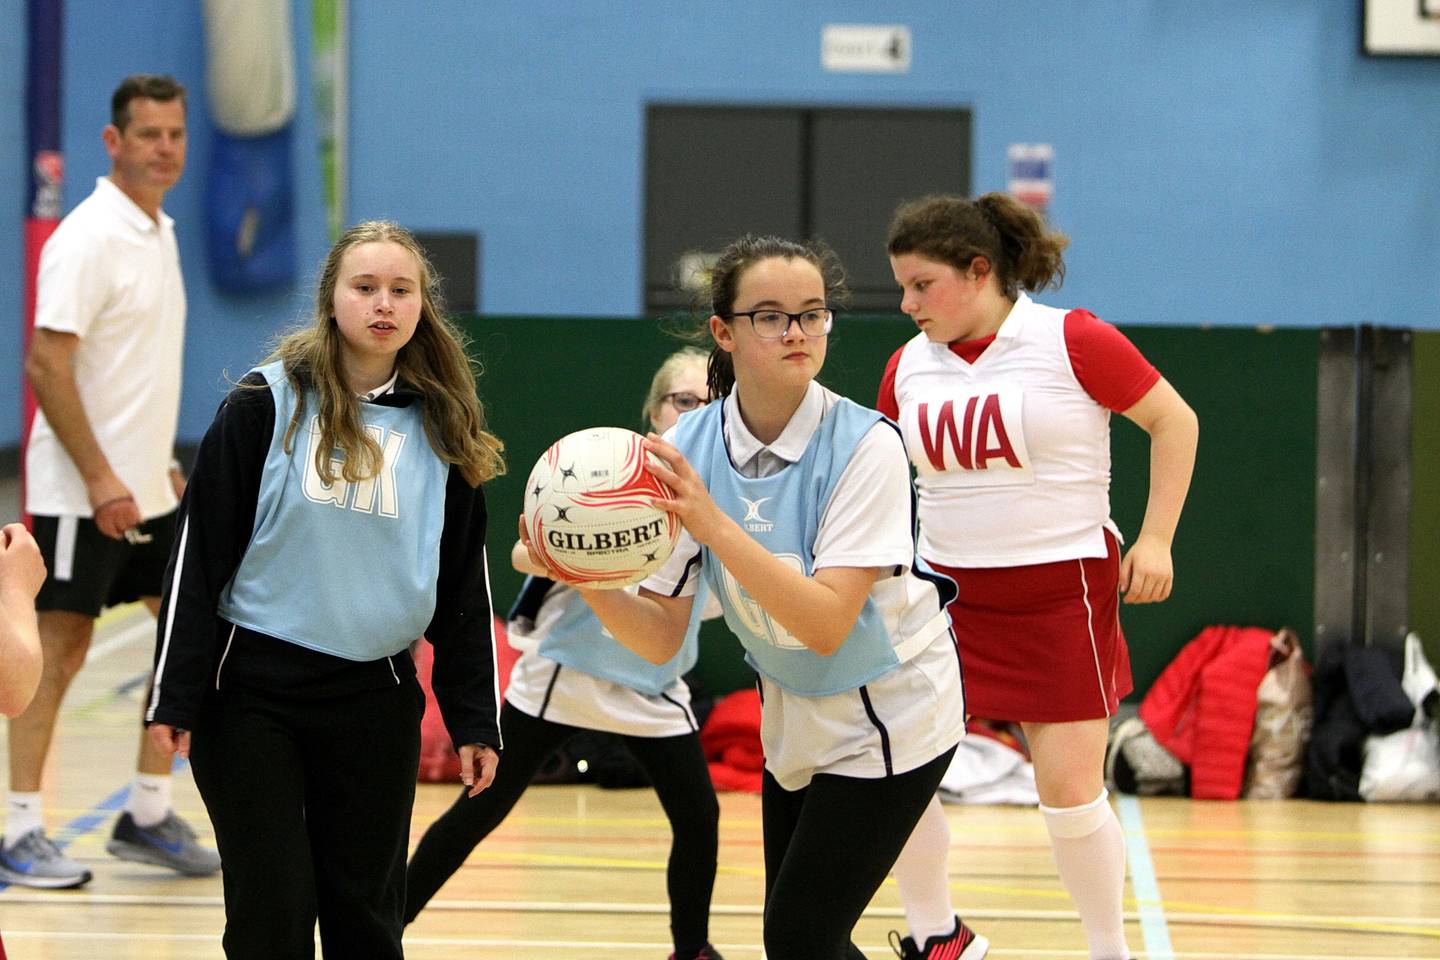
(111, 276)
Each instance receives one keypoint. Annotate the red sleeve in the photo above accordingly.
(1106, 363)
(885, 400)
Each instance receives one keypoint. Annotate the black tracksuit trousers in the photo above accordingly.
(311, 802)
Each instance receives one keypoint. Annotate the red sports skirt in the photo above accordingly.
(1042, 642)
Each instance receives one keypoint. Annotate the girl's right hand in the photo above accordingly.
(692, 503)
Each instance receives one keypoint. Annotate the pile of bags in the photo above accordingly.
(1239, 714)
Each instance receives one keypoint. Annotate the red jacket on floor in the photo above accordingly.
(1202, 707)
(731, 740)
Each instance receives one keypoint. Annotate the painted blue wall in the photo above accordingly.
(1237, 163)
(104, 42)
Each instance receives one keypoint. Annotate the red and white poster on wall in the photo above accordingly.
(1031, 179)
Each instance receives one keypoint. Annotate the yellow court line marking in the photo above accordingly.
(585, 946)
(1193, 833)
(1180, 911)
(988, 830)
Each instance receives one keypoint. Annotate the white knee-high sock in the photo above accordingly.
(923, 876)
(1089, 849)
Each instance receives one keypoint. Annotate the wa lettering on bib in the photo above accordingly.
(977, 436)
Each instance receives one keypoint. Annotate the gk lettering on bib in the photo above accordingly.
(367, 492)
(977, 437)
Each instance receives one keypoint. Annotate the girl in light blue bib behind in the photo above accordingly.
(798, 510)
(572, 676)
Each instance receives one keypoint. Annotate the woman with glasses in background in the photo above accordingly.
(571, 677)
(797, 512)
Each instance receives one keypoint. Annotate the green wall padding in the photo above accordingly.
(1245, 550)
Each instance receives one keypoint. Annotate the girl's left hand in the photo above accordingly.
(478, 764)
(692, 502)
(1146, 574)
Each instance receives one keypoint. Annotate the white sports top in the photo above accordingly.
(111, 275)
(1012, 454)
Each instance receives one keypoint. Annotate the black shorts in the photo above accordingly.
(88, 571)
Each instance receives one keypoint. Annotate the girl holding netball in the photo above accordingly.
(335, 514)
(571, 676)
(796, 505)
(1005, 406)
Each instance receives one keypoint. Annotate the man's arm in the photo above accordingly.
(50, 367)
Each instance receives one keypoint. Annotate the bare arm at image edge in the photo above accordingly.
(21, 573)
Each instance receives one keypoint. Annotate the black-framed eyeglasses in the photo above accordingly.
(684, 400)
(774, 324)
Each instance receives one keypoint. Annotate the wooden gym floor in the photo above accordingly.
(580, 871)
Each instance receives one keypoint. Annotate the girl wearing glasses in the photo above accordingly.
(1005, 405)
(572, 677)
(797, 512)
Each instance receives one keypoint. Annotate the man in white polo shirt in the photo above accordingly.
(100, 480)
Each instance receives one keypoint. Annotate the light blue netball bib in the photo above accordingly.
(783, 512)
(344, 568)
(578, 639)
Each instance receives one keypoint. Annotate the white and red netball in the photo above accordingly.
(589, 513)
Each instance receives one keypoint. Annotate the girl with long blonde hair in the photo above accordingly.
(336, 513)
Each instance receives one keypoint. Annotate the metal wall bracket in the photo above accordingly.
(1362, 503)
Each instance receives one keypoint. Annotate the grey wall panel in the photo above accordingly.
(1336, 613)
(865, 162)
(715, 172)
(711, 174)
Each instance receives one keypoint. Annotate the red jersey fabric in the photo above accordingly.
(1106, 363)
(1110, 368)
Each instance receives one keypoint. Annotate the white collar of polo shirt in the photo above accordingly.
(790, 445)
(129, 211)
(387, 387)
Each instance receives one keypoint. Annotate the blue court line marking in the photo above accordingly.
(1142, 878)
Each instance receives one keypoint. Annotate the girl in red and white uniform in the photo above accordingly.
(1005, 408)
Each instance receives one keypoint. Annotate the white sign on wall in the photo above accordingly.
(865, 48)
(1402, 28)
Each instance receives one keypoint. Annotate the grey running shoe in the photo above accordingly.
(35, 861)
(169, 843)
